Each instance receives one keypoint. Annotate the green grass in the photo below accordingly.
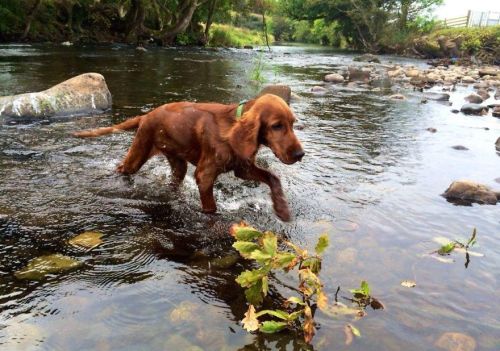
(229, 36)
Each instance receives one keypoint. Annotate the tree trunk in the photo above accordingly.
(211, 9)
(403, 19)
(30, 18)
(182, 22)
(134, 20)
(264, 25)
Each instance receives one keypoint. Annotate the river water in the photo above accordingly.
(163, 279)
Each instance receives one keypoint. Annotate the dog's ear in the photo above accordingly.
(244, 135)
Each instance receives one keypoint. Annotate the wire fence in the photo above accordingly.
(474, 19)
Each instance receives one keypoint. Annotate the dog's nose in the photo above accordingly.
(298, 154)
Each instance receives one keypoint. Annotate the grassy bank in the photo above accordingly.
(230, 36)
(482, 43)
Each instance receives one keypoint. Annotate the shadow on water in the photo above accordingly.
(163, 279)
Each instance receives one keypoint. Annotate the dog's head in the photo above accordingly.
(269, 121)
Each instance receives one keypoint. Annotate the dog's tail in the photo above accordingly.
(132, 123)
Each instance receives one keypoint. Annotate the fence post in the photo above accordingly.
(468, 19)
(481, 19)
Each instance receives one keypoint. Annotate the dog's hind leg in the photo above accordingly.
(179, 169)
(140, 151)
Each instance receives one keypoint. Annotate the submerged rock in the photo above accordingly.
(367, 58)
(437, 96)
(456, 342)
(41, 266)
(483, 94)
(471, 191)
(334, 78)
(281, 90)
(474, 99)
(474, 109)
(319, 90)
(431, 130)
(85, 94)
(397, 97)
(358, 74)
(459, 147)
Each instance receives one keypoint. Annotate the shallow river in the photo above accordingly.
(163, 280)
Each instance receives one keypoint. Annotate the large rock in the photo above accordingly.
(367, 58)
(483, 93)
(467, 190)
(497, 144)
(474, 99)
(334, 78)
(474, 109)
(281, 90)
(488, 71)
(496, 111)
(437, 96)
(358, 74)
(85, 94)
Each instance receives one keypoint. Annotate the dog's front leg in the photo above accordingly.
(205, 176)
(252, 172)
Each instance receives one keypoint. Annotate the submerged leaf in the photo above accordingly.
(322, 244)
(376, 304)
(39, 267)
(87, 240)
(408, 283)
(250, 322)
(349, 336)
(355, 330)
(186, 311)
(272, 326)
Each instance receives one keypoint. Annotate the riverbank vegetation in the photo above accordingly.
(377, 26)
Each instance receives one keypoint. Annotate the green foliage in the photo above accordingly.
(263, 249)
(473, 39)
(229, 36)
(256, 74)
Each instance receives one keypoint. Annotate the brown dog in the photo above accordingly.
(211, 137)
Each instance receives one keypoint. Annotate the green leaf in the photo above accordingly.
(446, 249)
(245, 248)
(322, 244)
(272, 326)
(260, 256)
(365, 288)
(364, 291)
(247, 233)
(472, 239)
(314, 263)
(293, 316)
(295, 300)
(355, 330)
(283, 259)
(249, 278)
(254, 293)
(270, 243)
(276, 313)
(265, 285)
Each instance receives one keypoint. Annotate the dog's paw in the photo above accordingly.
(283, 213)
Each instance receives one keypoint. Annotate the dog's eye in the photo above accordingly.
(277, 126)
